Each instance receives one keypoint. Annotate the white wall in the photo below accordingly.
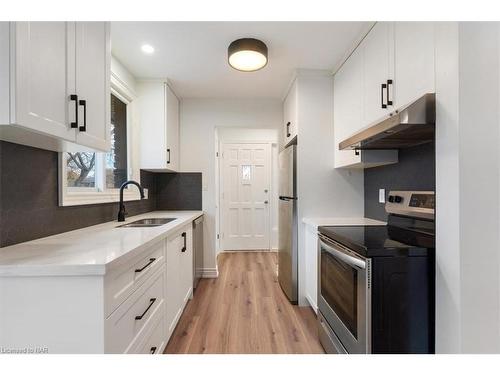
(467, 188)
(479, 186)
(322, 190)
(198, 120)
(447, 176)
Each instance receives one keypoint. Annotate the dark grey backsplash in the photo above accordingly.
(414, 171)
(29, 196)
(179, 191)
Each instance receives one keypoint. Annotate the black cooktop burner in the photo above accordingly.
(383, 240)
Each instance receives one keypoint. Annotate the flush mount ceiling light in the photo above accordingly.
(247, 54)
(147, 49)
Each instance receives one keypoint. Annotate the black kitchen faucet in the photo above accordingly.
(122, 212)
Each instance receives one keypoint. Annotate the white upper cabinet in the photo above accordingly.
(290, 118)
(159, 123)
(172, 129)
(413, 61)
(43, 79)
(348, 107)
(377, 48)
(93, 69)
(48, 68)
(395, 64)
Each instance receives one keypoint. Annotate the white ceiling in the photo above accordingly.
(193, 55)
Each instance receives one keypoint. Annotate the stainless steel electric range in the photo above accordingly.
(376, 285)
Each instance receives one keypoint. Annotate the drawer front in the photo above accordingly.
(155, 341)
(122, 281)
(132, 319)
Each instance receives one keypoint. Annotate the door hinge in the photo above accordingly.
(218, 237)
(217, 154)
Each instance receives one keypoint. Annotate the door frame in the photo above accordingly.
(219, 146)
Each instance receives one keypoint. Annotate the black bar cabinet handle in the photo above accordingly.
(151, 260)
(285, 198)
(74, 124)
(288, 129)
(84, 104)
(168, 152)
(382, 87)
(184, 248)
(151, 302)
(389, 83)
(153, 350)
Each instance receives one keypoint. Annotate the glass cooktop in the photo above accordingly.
(381, 240)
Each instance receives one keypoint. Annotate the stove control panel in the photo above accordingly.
(420, 204)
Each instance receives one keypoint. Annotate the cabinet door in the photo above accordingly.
(290, 127)
(348, 106)
(174, 285)
(152, 120)
(378, 65)
(172, 129)
(413, 61)
(93, 56)
(44, 77)
(187, 265)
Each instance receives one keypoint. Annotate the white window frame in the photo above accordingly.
(71, 196)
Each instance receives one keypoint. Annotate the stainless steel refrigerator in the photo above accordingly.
(287, 245)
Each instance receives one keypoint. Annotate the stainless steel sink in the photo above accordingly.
(151, 222)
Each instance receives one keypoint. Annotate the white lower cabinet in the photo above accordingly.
(179, 275)
(311, 250)
(132, 308)
(131, 320)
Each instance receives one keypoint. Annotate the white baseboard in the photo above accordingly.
(312, 303)
(210, 273)
(274, 249)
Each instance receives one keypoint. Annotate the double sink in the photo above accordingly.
(145, 223)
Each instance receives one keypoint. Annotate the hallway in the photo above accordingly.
(244, 311)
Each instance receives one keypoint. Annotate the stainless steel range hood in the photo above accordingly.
(408, 126)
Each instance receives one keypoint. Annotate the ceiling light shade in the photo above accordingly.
(147, 48)
(247, 54)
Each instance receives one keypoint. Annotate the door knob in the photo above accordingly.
(266, 202)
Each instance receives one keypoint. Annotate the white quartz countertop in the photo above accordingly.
(88, 251)
(340, 221)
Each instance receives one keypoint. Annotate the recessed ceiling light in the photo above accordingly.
(247, 54)
(147, 48)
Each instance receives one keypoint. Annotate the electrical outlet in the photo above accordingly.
(381, 195)
(145, 193)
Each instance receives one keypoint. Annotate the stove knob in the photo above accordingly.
(398, 199)
(391, 198)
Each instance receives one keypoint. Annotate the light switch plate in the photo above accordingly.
(146, 193)
(381, 195)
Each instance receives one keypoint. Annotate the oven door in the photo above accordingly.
(344, 294)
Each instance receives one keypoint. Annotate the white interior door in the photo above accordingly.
(245, 194)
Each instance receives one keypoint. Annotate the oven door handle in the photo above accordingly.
(346, 258)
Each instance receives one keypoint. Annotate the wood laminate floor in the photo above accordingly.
(244, 311)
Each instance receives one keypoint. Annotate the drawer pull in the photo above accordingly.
(151, 260)
(151, 302)
(184, 248)
(153, 350)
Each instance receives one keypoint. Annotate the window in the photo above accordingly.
(116, 159)
(93, 177)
